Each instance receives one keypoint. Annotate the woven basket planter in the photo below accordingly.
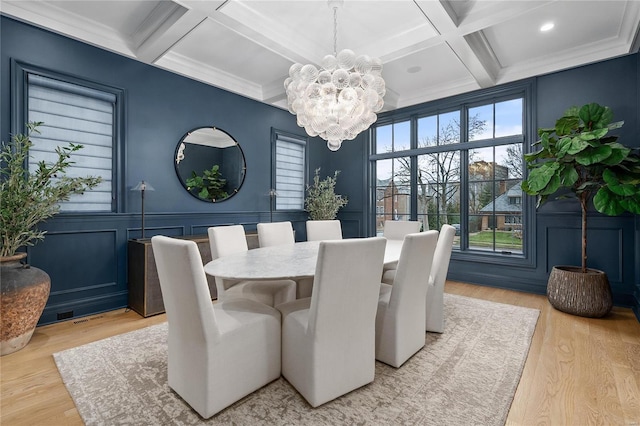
(584, 294)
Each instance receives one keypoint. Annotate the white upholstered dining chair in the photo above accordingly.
(217, 354)
(397, 229)
(227, 240)
(275, 234)
(401, 309)
(328, 340)
(437, 278)
(324, 230)
(281, 233)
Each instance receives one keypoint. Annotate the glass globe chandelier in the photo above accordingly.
(341, 99)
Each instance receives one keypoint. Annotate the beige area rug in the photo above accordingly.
(465, 376)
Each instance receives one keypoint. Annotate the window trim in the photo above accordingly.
(302, 140)
(524, 88)
(19, 108)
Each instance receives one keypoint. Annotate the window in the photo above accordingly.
(289, 167)
(80, 115)
(460, 165)
(72, 111)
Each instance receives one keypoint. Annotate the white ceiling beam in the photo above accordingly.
(266, 32)
(203, 72)
(630, 28)
(480, 62)
(167, 24)
(274, 91)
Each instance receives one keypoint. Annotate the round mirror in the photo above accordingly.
(210, 164)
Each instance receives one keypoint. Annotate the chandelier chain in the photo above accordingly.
(335, 31)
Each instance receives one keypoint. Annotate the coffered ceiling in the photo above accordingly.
(430, 49)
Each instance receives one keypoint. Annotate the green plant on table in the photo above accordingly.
(30, 197)
(322, 202)
(580, 155)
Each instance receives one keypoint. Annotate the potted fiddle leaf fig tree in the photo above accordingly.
(580, 156)
(322, 202)
(27, 198)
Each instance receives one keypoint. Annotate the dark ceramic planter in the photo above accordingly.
(574, 292)
(24, 294)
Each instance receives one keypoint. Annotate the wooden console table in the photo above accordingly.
(145, 296)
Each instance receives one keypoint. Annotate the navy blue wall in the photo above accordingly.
(85, 255)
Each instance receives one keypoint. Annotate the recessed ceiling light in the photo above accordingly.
(413, 70)
(547, 27)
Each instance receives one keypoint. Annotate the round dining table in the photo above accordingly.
(289, 261)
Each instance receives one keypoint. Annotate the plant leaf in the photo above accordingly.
(540, 177)
(593, 155)
(615, 186)
(547, 130)
(618, 153)
(533, 156)
(631, 204)
(565, 125)
(563, 146)
(594, 134)
(606, 202)
(572, 112)
(544, 140)
(577, 145)
(553, 186)
(590, 115)
(615, 125)
(568, 176)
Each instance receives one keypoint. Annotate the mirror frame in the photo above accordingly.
(179, 156)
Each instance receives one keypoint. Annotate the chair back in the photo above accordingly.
(442, 255)
(402, 311)
(185, 293)
(275, 234)
(324, 230)
(412, 276)
(227, 240)
(397, 229)
(344, 298)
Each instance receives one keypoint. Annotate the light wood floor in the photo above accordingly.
(579, 371)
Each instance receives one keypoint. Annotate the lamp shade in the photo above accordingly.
(142, 186)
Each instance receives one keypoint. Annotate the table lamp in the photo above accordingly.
(142, 186)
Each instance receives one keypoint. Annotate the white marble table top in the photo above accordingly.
(280, 262)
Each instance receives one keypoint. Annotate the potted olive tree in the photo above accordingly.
(579, 155)
(26, 199)
(322, 202)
